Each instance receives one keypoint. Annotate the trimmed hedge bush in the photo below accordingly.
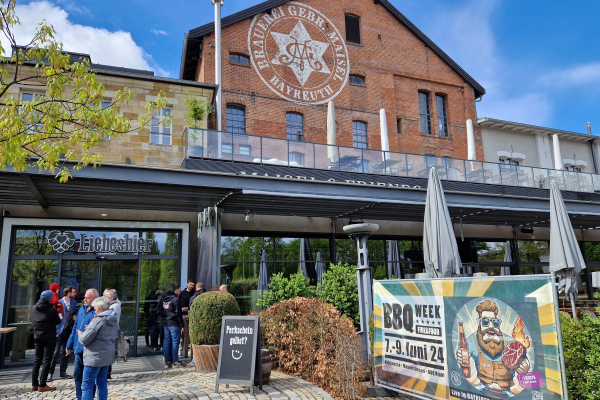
(206, 315)
(340, 289)
(282, 288)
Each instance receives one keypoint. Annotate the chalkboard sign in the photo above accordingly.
(239, 352)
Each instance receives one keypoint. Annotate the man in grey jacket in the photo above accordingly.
(99, 340)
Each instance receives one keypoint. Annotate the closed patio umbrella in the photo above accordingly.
(566, 259)
(319, 269)
(440, 250)
(307, 267)
(507, 258)
(393, 261)
(263, 274)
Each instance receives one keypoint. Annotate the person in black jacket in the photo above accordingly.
(186, 295)
(172, 322)
(44, 318)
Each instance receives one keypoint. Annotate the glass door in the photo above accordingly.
(122, 275)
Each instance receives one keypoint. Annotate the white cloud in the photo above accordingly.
(583, 74)
(105, 47)
(159, 32)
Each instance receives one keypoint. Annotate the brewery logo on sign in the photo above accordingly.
(299, 53)
(103, 243)
(61, 241)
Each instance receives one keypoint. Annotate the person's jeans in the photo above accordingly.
(171, 343)
(59, 354)
(94, 376)
(44, 350)
(78, 374)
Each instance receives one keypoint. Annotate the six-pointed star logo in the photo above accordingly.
(299, 52)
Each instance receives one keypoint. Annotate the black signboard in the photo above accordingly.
(239, 352)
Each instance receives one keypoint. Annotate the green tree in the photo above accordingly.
(66, 120)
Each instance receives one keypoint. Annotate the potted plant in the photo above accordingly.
(196, 112)
(205, 316)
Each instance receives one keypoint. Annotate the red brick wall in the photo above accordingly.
(395, 64)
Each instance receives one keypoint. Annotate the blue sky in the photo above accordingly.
(538, 60)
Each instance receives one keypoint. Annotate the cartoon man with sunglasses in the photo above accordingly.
(486, 345)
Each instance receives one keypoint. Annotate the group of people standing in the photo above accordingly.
(173, 306)
(90, 333)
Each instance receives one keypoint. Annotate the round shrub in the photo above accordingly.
(206, 315)
(340, 289)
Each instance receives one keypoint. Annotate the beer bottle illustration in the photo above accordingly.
(462, 346)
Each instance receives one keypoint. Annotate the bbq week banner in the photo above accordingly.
(468, 338)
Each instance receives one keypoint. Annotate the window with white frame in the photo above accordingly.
(105, 104)
(296, 157)
(31, 97)
(226, 148)
(160, 133)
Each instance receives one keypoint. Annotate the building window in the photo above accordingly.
(239, 59)
(159, 133)
(226, 148)
(105, 104)
(244, 150)
(399, 125)
(298, 158)
(425, 113)
(32, 97)
(236, 119)
(295, 126)
(442, 116)
(359, 129)
(574, 169)
(352, 28)
(508, 161)
(357, 80)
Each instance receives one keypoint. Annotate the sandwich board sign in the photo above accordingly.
(239, 352)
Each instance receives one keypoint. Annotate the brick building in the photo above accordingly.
(363, 55)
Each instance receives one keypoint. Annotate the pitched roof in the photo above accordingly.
(206, 29)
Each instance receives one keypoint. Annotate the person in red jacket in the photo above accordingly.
(55, 288)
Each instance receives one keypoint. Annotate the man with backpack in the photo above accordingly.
(63, 331)
(172, 321)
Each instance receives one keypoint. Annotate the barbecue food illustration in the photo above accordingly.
(494, 358)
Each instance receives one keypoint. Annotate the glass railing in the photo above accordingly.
(214, 145)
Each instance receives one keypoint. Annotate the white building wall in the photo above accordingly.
(571, 149)
(495, 140)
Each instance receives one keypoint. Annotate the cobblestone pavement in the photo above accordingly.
(177, 384)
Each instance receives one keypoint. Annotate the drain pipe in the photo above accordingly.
(592, 143)
(218, 4)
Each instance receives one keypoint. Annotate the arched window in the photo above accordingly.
(359, 130)
(239, 59)
(357, 80)
(425, 113)
(295, 126)
(236, 119)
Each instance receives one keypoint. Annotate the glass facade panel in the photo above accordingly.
(246, 148)
(159, 268)
(396, 164)
(303, 154)
(29, 278)
(540, 178)
(275, 151)
(417, 166)
(373, 162)
(350, 159)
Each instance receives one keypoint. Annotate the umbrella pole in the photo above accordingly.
(560, 341)
(573, 307)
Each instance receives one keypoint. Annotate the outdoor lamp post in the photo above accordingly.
(361, 232)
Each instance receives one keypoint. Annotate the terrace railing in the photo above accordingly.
(215, 145)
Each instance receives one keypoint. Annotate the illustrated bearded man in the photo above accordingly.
(486, 346)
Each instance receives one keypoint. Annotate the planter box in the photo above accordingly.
(206, 357)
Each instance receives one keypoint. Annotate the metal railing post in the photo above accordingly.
(261, 150)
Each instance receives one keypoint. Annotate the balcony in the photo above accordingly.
(224, 146)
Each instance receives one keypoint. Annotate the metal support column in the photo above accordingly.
(360, 233)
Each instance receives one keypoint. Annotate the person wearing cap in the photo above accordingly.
(55, 288)
(44, 318)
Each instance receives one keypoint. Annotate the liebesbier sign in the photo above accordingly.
(63, 241)
(468, 338)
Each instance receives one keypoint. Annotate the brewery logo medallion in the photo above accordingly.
(61, 241)
(299, 54)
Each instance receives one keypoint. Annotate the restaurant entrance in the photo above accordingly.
(140, 270)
